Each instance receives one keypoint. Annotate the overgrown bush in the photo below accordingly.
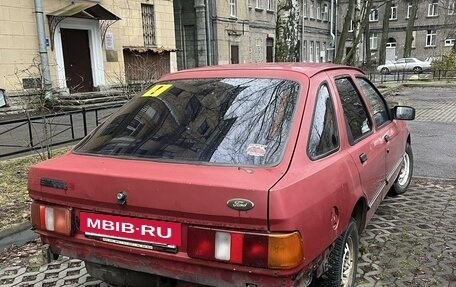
(446, 67)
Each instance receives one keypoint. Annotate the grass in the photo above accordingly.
(14, 200)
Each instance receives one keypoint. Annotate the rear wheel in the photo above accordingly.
(417, 70)
(384, 71)
(405, 175)
(343, 260)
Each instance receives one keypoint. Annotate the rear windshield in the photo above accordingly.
(236, 121)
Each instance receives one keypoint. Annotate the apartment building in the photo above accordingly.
(434, 31)
(91, 45)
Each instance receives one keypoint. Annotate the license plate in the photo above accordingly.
(131, 228)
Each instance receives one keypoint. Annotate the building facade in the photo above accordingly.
(91, 45)
(434, 30)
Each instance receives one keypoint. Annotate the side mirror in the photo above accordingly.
(2, 98)
(403, 113)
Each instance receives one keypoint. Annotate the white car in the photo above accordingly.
(404, 65)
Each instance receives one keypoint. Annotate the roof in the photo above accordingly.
(309, 69)
(85, 9)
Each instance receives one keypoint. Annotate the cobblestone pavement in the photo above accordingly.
(411, 241)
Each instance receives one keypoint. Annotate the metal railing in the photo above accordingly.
(403, 76)
(38, 132)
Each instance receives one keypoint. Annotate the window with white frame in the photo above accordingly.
(449, 42)
(451, 7)
(373, 15)
(318, 11)
(317, 52)
(431, 38)
(311, 51)
(258, 4)
(393, 12)
(270, 5)
(409, 9)
(233, 9)
(351, 26)
(304, 8)
(312, 11)
(433, 8)
(325, 12)
(373, 41)
(413, 39)
(323, 51)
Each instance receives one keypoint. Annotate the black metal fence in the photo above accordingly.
(36, 133)
(403, 76)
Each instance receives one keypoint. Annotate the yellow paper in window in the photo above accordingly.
(157, 90)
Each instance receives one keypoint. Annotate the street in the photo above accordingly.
(411, 241)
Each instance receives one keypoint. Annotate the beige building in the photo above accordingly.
(91, 45)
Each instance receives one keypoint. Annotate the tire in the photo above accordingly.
(384, 70)
(417, 70)
(405, 175)
(343, 260)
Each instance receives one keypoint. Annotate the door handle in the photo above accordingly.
(387, 138)
(363, 157)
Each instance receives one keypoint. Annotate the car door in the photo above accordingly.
(400, 65)
(385, 126)
(365, 146)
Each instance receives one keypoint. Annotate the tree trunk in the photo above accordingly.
(343, 36)
(368, 58)
(361, 14)
(385, 28)
(409, 32)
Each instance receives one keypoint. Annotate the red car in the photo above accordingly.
(239, 175)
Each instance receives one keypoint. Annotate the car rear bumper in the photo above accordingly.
(190, 270)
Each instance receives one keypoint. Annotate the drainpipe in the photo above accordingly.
(302, 31)
(208, 33)
(46, 74)
(331, 29)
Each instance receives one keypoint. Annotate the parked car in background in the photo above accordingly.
(238, 175)
(405, 65)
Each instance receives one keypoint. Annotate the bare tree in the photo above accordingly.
(362, 10)
(409, 32)
(344, 34)
(385, 29)
(286, 48)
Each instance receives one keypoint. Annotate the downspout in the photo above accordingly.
(46, 74)
(208, 33)
(331, 29)
(301, 54)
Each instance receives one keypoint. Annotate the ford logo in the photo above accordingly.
(240, 204)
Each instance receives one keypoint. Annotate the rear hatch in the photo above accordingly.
(183, 193)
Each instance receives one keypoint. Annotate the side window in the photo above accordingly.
(379, 107)
(355, 112)
(324, 135)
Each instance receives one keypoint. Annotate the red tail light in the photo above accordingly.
(51, 218)
(275, 251)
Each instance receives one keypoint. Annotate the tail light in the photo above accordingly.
(275, 251)
(51, 218)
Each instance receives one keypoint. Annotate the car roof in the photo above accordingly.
(308, 69)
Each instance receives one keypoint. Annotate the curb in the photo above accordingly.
(15, 229)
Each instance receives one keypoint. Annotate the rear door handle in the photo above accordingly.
(363, 157)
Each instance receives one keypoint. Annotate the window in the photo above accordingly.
(393, 13)
(377, 103)
(413, 39)
(325, 13)
(304, 7)
(373, 41)
(449, 42)
(409, 10)
(433, 8)
(258, 4)
(324, 135)
(318, 11)
(351, 26)
(323, 52)
(269, 50)
(270, 5)
(430, 38)
(148, 24)
(311, 51)
(312, 11)
(373, 15)
(451, 7)
(234, 54)
(317, 52)
(304, 51)
(233, 9)
(355, 112)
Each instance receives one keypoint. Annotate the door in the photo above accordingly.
(234, 54)
(76, 58)
(269, 50)
(366, 147)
